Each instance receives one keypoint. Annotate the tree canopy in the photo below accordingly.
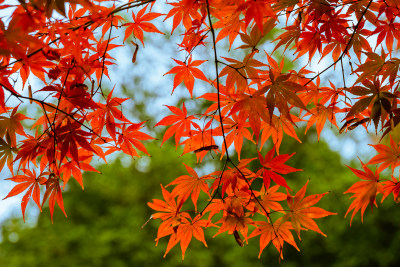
(250, 98)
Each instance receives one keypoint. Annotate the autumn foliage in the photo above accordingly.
(252, 98)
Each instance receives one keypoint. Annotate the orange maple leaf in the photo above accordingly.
(302, 213)
(364, 191)
(186, 231)
(6, 153)
(388, 156)
(12, 125)
(278, 233)
(186, 72)
(276, 128)
(274, 165)
(251, 107)
(189, 185)
(53, 194)
(141, 24)
(320, 114)
(236, 129)
(238, 72)
(180, 124)
(29, 180)
(391, 186)
(269, 199)
(257, 10)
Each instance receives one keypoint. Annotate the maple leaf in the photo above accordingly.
(359, 43)
(141, 24)
(290, 35)
(388, 156)
(364, 191)
(320, 114)
(232, 222)
(234, 177)
(387, 31)
(6, 153)
(180, 123)
(186, 72)
(375, 94)
(237, 130)
(255, 36)
(185, 232)
(280, 93)
(29, 180)
(53, 194)
(278, 233)
(34, 65)
(257, 10)
(335, 27)
(130, 137)
(274, 165)
(75, 170)
(391, 186)
(70, 136)
(106, 114)
(276, 128)
(269, 199)
(169, 213)
(239, 71)
(372, 65)
(183, 11)
(230, 24)
(390, 69)
(189, 185)
(251, 107)
(12, 125)
(226, 101)
(302, 213)
(168, 208)
(235, 219)
(310, 41)
(200, 142)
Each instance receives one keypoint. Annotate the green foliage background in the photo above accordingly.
(104, 222)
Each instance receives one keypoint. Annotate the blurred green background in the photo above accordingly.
(104, 221)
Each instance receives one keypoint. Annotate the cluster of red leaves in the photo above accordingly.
(365, 192)
(234, 205)
(250, 99)
(255, 100)
(76, 121)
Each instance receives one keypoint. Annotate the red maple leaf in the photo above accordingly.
(274, 165)
(388, 156)
(364, 192)
(141, 24)
(186, 72)
(27, 181)
(302, 213)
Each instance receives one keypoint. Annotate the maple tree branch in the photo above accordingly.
(104, 61)
(228, 159)
(85, 25)
(217, 78)
(128, 6)
(196, 45)
(55, 113)
(54, 107)
(345, 49)
(241, 74)
(216, 190)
